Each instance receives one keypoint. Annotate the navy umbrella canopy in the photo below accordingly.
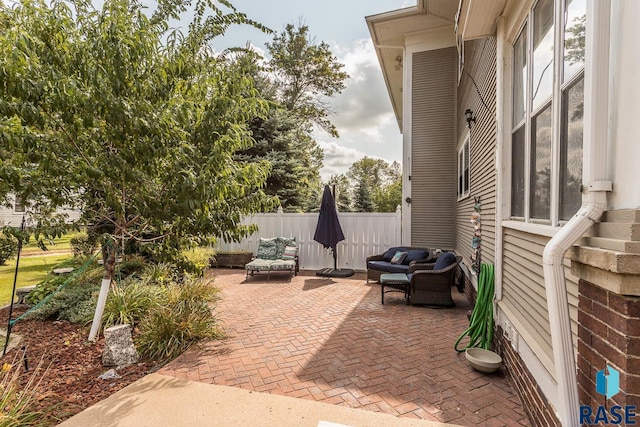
(329, 232)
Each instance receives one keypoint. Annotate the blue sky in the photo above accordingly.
(364, 116)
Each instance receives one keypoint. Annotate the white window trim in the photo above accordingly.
(18, 202)
(461, 151)
(524, 16)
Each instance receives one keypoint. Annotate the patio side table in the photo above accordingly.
(398, 282)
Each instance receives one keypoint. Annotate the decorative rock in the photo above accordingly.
(111, 374)
(62, 270)
(118, 347)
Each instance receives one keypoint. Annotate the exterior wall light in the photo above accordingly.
(468, 115)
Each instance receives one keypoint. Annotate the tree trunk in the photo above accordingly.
(109, 256)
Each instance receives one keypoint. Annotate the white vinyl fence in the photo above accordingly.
(365, 234)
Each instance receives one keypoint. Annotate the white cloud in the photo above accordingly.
(364, 104)
(363, 114)
(354, 57)
(337, 158)
(259, 50)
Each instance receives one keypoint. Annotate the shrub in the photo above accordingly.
(199, 259)
(79, 307)
(159, 274)
(132, 264)
(80, 286)
(192, 261)
(8, 248)
(76, 302)
(15, 401)
(44, 288)
(83, 245)
(184, 318)
(129, 302)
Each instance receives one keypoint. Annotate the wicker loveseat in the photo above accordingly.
(430, 284)
(381, 263)
(275, 254)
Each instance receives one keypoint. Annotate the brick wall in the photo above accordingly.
(608, 333)
(533, 399)
(469, 290)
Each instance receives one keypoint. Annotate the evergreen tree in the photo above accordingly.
(284, 142)
(363, 200)
(376, 185)
(342, 192)
(294, 156)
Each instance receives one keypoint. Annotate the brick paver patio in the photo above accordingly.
(332, 341)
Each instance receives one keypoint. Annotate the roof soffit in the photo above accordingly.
(477, 18)
(390, 31)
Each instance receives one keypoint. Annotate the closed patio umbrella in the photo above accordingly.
(329, 233)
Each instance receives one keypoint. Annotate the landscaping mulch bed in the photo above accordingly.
(71, 383)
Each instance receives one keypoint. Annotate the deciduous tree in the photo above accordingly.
(306, 74)
(373, 185)
(110, 112)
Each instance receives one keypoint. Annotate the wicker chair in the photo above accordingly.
(433, 287)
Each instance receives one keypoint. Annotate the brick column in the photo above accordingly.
(608, 334)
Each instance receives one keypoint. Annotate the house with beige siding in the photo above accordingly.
(13, 210)
(525, 111)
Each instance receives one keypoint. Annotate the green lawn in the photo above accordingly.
(31, 270)
(59, 244)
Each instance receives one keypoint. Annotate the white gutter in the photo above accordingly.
(596, 102)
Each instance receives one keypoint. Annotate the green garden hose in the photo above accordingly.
(480, 330)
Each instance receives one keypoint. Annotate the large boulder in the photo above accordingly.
(119, 350)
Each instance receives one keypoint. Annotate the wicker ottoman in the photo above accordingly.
(398, 282)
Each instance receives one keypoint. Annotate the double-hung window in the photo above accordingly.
(18, 206)
(546, 136)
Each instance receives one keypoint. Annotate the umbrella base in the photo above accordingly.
(333, 272)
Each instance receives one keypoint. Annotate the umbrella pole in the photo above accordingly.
(335, 259)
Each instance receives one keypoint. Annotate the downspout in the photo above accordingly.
(596, 83)
(502, 119)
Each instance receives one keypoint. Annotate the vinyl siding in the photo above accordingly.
(480, 63)
(433, 167)
(524, 294)
(10, 218)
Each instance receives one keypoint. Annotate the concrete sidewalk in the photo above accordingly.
(160, 400)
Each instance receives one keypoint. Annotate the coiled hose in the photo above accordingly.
(480, 330)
